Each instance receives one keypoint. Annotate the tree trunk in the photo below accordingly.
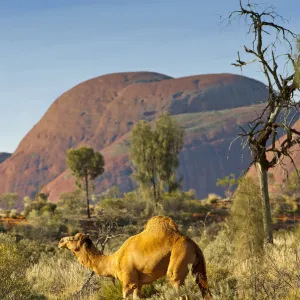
(87, 196)
(155, 195)
(264, 189)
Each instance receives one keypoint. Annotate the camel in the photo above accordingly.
(159, 250)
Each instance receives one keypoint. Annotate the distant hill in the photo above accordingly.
(102, 111)
(4, 156)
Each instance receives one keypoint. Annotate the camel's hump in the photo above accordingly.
(161, 222)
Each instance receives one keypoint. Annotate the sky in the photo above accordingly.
(47, 47)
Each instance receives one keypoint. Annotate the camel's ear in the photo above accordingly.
(82, 238)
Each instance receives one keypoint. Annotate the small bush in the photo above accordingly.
(13, 266)
(13, 213)
(247, 219)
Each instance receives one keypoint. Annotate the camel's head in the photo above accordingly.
(74, 243)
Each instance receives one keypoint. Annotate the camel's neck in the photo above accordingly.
(92, 258)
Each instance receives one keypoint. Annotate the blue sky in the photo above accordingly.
(47, 47)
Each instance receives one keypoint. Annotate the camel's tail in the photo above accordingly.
(199, 270)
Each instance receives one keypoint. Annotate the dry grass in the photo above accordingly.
(272, 275)
(58, 276)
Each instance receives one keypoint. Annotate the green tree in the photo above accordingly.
(144, 158)
(86, 165)
(155, 153)
(168, 142)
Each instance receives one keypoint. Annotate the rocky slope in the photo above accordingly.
(205, 156)
(101, 111)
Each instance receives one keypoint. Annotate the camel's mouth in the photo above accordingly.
(63, 242)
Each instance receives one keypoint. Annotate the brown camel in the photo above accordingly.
(159, 250)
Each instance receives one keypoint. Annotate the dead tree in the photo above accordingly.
(280, 69)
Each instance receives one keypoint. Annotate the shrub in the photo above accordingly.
(13, 213)
(213, 198)
(44, 225)
(246, 219)
(13, 266)
(39, 204)
(72, 203)
(293, 184)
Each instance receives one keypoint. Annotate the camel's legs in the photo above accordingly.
(137, 293)
(126, 294)
(131, 288)
(176, 278)
(178, 268)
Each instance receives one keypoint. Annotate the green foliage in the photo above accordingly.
(86, 165)
(155, 155)
(45, 219)
(13, 214)
(39, 204)
(113, 192)
(285, 205)
(9, 201)
(44, 225)
(169, 142)
(13, 265)
(246, 218)
(293, 184)
(84, 162)
(178, 203)
(228, 183)
(143, 156)
(111, 291)
(71, 203)
(212, 198)
(130, 205)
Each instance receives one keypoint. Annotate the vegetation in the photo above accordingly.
(238, 267)
(155, 156)
(292, 186)
(40, 203)
(228, 183)
(246, 219)
(71, 203)
(9, 201)
(86, 165)
(230, 234)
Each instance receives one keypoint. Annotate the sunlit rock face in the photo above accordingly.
(102, 111)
